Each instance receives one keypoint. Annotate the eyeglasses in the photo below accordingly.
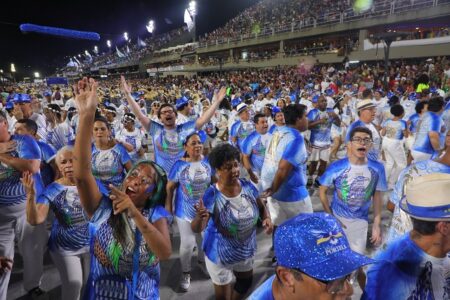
(333, 286)
(360, 141)
(165, 112)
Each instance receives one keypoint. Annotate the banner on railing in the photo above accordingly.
(431, 41)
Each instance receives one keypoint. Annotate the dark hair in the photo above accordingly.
(393, 100)
(257, 117)
(397, 110)
(367, 93)
(420, 106)
(103, 119)
(166, 105)
(182, 106)
(435, 104)
(360, 129)
(424, 227)
(293, 112)
(30, 125)
(55, 109)
(221, 154)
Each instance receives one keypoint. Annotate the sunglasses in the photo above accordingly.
(332, 286)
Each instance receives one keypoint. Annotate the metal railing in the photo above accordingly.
(380, 8)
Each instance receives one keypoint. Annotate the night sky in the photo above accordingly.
(33, 52)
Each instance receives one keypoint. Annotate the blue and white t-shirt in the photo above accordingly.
(264, 291)
(47, 155)
(168, 143)
(230, 236)
(405, 271)
(401, 222)
(60, 136)
(394, 129)
(255, 146)
(133, 138)
(414, 121)
(12, 191)
(241, 130)
(113, 250)
(374, 152)
(274, 128)
(287, 143)
(70, 233)
(430, 121)
(108, 166)
(321, 133)
(354, 187)
(193, 179)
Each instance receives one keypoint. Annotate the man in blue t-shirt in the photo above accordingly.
(254, 147)
(242, 128)
(18, 153)
(358, 182)
(167, 137)
(417, 266)
(314, 261)
(283, 175)
(430, 131)
(320, 120)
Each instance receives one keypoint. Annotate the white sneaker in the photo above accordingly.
(185, 282)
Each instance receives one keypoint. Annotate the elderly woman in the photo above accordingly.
(110, 160)
(129, 230)
(69, 238)
(190, 178)
(229, 210)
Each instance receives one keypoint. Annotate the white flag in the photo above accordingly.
(188, 20)
(119, 54)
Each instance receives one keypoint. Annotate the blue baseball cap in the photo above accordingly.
(275, 110)
(316, 245)
(412, 96)
(235, 102)
(329, 92)
(9, 105)
(181, 102)
(47, 94)
(22, 98)
(266, 90)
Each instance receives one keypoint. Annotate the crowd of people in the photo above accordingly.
(113, 165)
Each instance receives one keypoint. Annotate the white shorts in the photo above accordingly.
(223, 274)
(356, 233)
(320, 154)
(409, 142)
(419, 156)
(281, 211)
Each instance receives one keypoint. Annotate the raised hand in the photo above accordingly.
(121, 202)
(220, 95)
(126, 89)
(8, 147)
(28, 183)
(86, 97)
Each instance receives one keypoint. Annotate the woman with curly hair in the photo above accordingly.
(228, 213)
(129, 229)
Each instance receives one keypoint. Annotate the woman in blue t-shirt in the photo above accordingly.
(110, 159)
(69, 238)
(129, 230)
(190, 178)
(228, 213)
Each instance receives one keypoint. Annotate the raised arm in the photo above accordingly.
(86, 100)
(207, 115)
(126, 89)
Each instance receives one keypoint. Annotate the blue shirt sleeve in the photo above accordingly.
(160, 212)
(188, 126)
(435, 124)
(295, 152)
(28, 148)
(247, 145)
(209, 198)
(124, 156)
(153, 128)
(382, 182)
(328, 177)
(234, 127)
(312, 115)
(174, 174)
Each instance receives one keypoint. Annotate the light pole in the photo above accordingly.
(193, 12)
(37, 75)
(13, 72)
(150, 26)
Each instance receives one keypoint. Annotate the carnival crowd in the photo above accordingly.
(114, 164)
